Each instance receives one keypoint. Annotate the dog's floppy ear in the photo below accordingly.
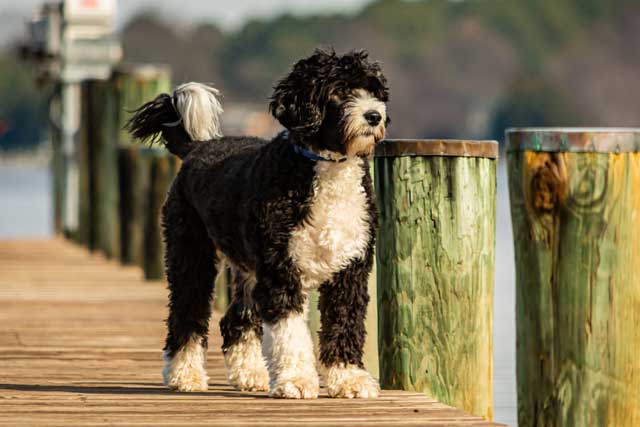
(294, 110)
(298, 101)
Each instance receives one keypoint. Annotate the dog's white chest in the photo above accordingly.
(337, 230)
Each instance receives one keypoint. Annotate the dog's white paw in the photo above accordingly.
(256, 380)
(296, 388)
(185, 371)
(188, 383)
(246, 368)
(288, 347)
(351, 382)
(186, 379)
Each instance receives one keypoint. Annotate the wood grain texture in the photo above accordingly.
(56, 167)
(130, 200)
(103, 167)
(134, 85)
(80, 344)
(133, 174)
(222, 288)
(161, 167)
(435, 277)
(577, 245)
(84, 154)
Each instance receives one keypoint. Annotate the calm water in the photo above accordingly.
(26, 212)
(25, 201)
(504, 317)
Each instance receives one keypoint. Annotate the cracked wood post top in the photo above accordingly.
(437, 147)
(576, 140)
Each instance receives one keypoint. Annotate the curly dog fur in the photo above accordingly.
(290, 215)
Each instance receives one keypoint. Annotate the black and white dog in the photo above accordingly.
(290, 215)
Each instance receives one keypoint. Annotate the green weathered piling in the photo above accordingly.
(57, 174)
(222, 289)
(575, 206)
(129, 186)
(106, 169)
(435, 261)
(103, 164)
(370, 358)
(135, 85)
(98, 175)
(83, 234)
(141, 177)
(161, 171)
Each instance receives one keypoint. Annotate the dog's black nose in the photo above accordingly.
(372, 117)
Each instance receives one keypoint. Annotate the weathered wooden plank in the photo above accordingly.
(577, 245)
(435, 277)
(85, 349)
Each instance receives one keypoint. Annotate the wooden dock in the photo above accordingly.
(80, 344)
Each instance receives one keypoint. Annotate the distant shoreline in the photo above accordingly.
(38, 157)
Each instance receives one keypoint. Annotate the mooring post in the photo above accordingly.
(98, 225)
(575, 207)
(83, 154)
(57, 164)
(222, 289)
(130, 238)
(136, 84)
(161, 168)
(435, 263)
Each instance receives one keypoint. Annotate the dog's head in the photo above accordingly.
(334, 102)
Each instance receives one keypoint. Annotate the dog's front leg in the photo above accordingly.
(286, 340)
(343, 308)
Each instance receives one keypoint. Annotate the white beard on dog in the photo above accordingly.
(337, 230)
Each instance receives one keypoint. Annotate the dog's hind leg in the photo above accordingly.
(242, 334)
(190, 260)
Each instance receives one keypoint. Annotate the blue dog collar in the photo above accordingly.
(313, 156)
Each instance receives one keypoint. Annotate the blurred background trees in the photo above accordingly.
(456, 68)
(21, 106)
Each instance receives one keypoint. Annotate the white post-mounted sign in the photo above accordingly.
(76, 11)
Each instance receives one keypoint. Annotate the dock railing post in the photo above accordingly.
(160, 167)
(435, 269)
(57, 162)
(136, 84)
(98, 225)
(575, 208)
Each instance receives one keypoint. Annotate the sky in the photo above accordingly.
(227, 14)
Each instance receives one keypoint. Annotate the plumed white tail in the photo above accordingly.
(199, 108)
